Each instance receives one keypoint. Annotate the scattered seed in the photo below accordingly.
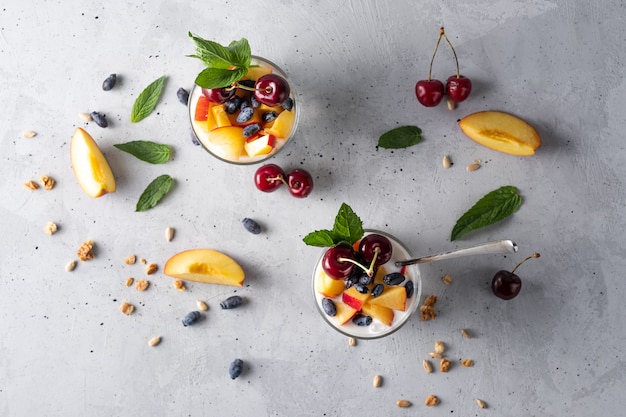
(47, 182)
(130, 260)
(233, 301)
(435, 355)
(191, 318)
(169, 234)
(29, 134)
(99, 119)
(142, 285)
(154, 341)
(444, 365)
(202, 306)
(467, 363)
(351, 341)
(235, 368)
(85, 116)
(446, 162)
(129, 281)
(451, 104)
(466, 333)
(50, 228)
(127, 308)
(31, 184)
(439, 346)
(182, 95)
(109, 82)
(428, 367)
(403, 403)
(71, 265)
(151, 269)
(447, 279)
(472, 167)
(179, 285)
(85, 252)
(143, 261)
(378, 381)
(431, 400)
(251, 226)
(481, 403)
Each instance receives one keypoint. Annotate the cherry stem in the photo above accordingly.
(430, 69)
(369, 271)
(534, 255)
(276, 178)
(456, 59)
(244, 87)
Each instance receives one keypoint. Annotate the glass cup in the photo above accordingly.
(334, 288)
(222, 136)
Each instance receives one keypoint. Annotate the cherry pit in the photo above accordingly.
(458, 87)
(270, 177)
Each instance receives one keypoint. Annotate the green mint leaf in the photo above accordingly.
(400, 137)
(240, 53)
(212, 54)
(151, 152)
(322, 238)
(348, 226)
(491, 208)
(147, 100)
(218, 78)
(154, 192)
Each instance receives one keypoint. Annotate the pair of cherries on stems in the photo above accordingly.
(374, 250)
(269, 89)
(458, 87)
(270, 177)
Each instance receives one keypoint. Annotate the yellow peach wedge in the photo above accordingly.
(501, 132)
(90, 167)
(205, 265)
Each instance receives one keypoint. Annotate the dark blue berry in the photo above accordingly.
(329, 307)
(366, 279)
(268, 116)
(243, 104)
(394, 278)
(194, 139)
(99, 119)
(232, 105)
(254, 102)
(191, 318)
(377, 290)
(245, 114)
(288, 104)
(251, 130)
(362, 320)
(235, 368)
(351, 280)
(410, 289)
(109, 83)
(361, 288)
(251, 226)
(183, 95)
(247, 83)
(231, 302)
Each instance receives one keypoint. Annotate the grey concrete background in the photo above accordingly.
(557, 349)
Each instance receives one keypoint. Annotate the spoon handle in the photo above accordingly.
(497, 246)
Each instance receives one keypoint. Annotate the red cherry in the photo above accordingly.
(332, 262)
(272, 89)
(506, 285)
(429, 92)
(300, 183)
(269, 177)
(218, 95)
(372, 243)
(458, 88)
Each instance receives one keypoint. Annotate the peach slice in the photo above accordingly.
(227, 142)
(260, 146)
(392, 297)
(501, 132)
(281, 128)
(354, 298)
(90, 167)
(205, 265)
(380, 313)
(328, 286)
(344, 313)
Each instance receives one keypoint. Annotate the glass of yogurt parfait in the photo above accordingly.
(233, 125)
(362, 306)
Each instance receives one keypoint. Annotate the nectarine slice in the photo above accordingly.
(328, 286)
(344, 313)
(501, 132)
(380, 313)
(392, 297)
(205, 265)
(90, 167)
(354, 298)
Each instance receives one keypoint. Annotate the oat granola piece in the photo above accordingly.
(151, 269)
(47, 182)
(179, 285)
(430, 300)
(444, 365)
(130, 260)
(447, 279)
(85, 252)
(50, 228)
(467, 362)
(142, 285)
(427, 313)
(129, 281)
(127, 308)
(431, 400)
(31, 185)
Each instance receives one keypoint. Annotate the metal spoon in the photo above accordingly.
(497, 246)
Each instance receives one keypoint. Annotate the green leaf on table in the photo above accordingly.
(219, 77)
(154, 192)
(151, 152)
(400, 137)
(147, 100)
(491, 208)
(348, 227)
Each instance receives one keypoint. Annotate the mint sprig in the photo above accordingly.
(225, 65)
(151, 152)
(154, 192)
(491, 208)
(348, 227)
(400, 137)
(147, 100)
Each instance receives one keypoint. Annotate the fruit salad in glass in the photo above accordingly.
(242, 107)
